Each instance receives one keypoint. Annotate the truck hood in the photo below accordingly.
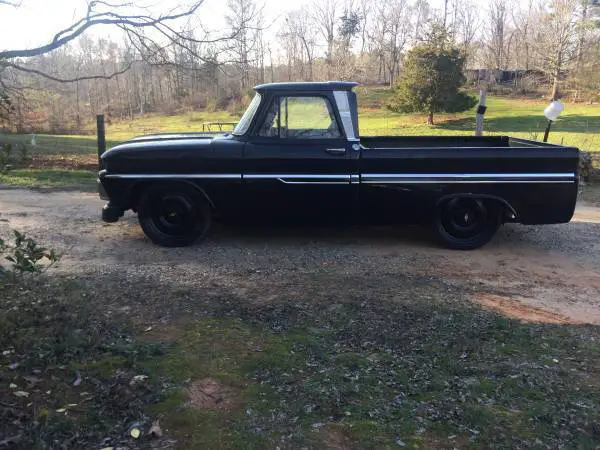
(162, 145)
(174, 136)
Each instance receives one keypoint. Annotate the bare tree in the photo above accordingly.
(298, 27)
(422, 14)
(523, 22)
(467, 24)
(242, 18)
(555, 39)
(497, 33)
(325, 15)
(103, 13)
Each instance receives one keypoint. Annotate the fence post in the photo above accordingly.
(100, 131)
(480, 112)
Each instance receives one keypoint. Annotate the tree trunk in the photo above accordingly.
(430, 119)
(555, 90)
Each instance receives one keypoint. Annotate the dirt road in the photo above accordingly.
(547, 274)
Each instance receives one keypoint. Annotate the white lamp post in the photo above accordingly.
(552, 112)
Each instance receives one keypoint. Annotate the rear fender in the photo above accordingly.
(513, 216)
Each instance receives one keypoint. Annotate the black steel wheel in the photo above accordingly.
(464, 223)
(174, 215)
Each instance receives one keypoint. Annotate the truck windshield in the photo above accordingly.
(246, 119)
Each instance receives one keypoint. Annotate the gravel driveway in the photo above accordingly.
(546, 274)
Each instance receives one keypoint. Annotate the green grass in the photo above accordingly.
(578, 126)
(49, 178)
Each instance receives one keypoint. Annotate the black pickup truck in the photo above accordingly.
(297, 154)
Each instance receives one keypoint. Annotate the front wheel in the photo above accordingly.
(174, 215)
(466, 223)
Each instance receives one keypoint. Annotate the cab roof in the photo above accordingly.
(307, 86)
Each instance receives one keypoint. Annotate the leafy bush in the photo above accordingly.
(430, 81)
(26, 255)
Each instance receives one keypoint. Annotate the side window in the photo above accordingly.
(300, 118)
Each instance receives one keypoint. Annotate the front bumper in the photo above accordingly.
(111, 213)
(101, 190)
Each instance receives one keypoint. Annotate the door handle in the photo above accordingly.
(336, 151)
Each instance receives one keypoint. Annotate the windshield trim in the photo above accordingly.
(244, 124)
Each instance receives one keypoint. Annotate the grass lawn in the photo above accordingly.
(49, 178)
(578, 126)
(422, 372)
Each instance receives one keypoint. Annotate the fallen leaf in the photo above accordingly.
(61, 410)
(21, 394)
(138, 379)
(155, 430)
(32, 379)
(135, 433)
(148, 329)
(10, 440)
(12, 386)
(13, 366)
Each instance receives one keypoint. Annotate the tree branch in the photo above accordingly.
(93, 19)
(70, 80)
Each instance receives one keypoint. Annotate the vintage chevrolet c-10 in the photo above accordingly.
(297, 154)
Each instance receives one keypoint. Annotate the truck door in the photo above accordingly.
(297, 161)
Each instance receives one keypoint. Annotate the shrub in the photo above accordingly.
(26, 255)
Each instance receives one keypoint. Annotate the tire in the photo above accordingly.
(174, 215)
(463, 223)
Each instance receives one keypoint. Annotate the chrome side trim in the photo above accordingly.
(302, 178)
(343, 106)
(180, 176)
(370, 178)
(431, 178)
(383, 182)
(287, 181)
(256, 176)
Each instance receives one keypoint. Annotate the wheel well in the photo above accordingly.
(138, 189)
(509, 210)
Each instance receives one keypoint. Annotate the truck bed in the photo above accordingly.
(454, 142)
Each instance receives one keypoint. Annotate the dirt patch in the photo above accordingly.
(209, 394)
(516, 309)
(334, 439)
(72, 162)
(450, 443)
(162, 333)
(551, 268)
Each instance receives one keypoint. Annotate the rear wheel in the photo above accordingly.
(174, 215)
(466, 223)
